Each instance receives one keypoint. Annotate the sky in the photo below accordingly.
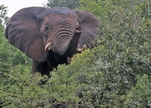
(15, 5)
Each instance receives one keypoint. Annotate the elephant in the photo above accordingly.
(51, 36)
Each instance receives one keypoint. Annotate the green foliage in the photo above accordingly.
(139, 95)
(114, 74)
(3, 12)
(63, 3)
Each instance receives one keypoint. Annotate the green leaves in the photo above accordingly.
(63, 3)
(140, 94)
(3, 12)
(115, 73)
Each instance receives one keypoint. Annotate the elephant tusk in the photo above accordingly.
(47, 47)
(79, 50)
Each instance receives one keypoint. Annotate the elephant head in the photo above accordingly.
(51, 36)
(58, 27)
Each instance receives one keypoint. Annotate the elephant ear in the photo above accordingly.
(89, 25)
(22, 31)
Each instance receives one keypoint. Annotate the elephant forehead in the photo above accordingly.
(61, 19)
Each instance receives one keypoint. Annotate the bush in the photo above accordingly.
(139, 95)
(115, 73)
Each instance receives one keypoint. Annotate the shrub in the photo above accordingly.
(114, 74)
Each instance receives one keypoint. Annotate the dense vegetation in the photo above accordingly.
(114, 74)
(64, 3)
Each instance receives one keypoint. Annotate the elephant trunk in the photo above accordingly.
(62, 34)
(73, 44)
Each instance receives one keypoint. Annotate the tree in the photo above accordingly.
(3, 12)
(63, 3)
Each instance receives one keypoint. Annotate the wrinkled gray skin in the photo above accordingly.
(51, 36)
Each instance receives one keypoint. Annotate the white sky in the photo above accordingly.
(15, 5)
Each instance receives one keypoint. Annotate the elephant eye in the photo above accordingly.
(46, 28)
